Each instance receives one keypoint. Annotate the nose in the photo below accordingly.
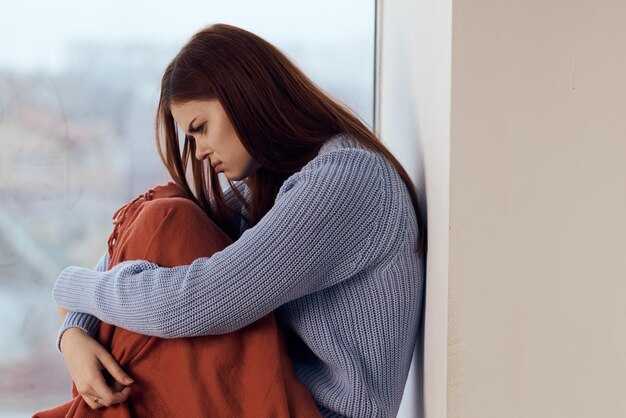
(202, 154)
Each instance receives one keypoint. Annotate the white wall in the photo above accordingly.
(413, 109)
(512, 119)
(537, 279)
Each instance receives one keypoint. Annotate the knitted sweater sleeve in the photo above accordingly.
(317, 234)
(88, 323)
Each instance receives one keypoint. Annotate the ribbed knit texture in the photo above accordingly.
(335, 257)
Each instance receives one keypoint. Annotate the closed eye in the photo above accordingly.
(199, 128)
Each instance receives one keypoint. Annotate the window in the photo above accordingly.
(78, 92)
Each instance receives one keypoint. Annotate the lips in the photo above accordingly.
(217, 166)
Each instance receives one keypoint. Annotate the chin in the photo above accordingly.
(233, 177)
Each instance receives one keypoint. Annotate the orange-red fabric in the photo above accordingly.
(246, 373)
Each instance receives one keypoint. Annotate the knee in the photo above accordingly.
(181, 218)
(174, 208)
(172, 231)
(179, 214)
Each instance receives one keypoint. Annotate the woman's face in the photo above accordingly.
(215, 137)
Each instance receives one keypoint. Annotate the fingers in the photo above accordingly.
(97, 402)
(87, 393)
(99, 379)
(105, 394)
(89, 400)
(114, 369)
(101, 395)
(108, 396)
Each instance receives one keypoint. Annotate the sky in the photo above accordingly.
(36, 32)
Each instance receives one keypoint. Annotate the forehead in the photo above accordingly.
(185, 112)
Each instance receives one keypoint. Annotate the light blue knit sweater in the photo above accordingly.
(335, 257)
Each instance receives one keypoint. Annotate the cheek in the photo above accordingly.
(251, 165)
(245, 156)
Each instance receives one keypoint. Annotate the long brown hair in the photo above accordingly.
(280, 115)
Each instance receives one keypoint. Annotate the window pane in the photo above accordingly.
(78, 90)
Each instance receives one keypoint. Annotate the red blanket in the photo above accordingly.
(246, 373)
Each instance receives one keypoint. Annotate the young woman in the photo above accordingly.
(325, 224)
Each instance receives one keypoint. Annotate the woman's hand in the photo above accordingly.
(86, 360)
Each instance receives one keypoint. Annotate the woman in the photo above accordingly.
(330, 236)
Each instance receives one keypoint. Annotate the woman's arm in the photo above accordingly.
(321, 230)
(88, 323)
(85, 358)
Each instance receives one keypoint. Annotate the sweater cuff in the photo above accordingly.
(88, 323)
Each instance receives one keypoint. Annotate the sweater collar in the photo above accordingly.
(340, 141)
